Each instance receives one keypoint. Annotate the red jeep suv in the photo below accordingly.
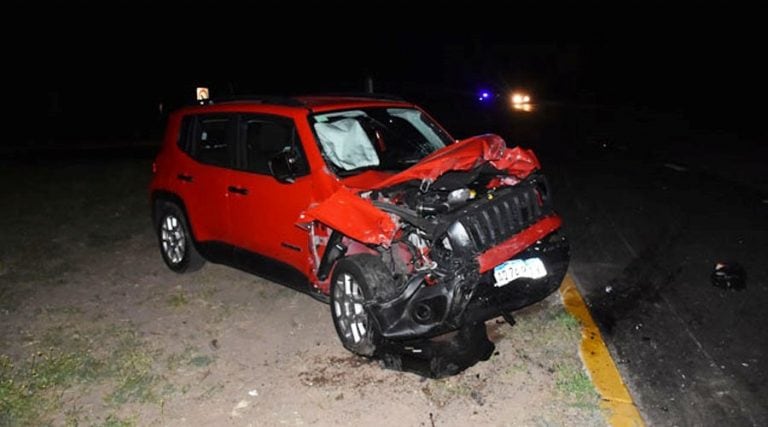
(361, 201)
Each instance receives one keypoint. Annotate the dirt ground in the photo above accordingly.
(95, 330)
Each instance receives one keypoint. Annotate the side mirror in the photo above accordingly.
(283, 166)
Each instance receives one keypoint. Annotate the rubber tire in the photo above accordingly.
(192, 260)
(375, 282)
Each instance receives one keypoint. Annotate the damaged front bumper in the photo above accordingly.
(467, 295)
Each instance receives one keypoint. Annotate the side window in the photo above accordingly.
(265, 137)
(213, 139)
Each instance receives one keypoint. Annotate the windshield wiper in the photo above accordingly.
(409, 162)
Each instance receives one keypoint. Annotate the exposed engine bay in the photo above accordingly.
(462, 248)
(444, 230)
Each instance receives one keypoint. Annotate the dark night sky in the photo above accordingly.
(112, 73)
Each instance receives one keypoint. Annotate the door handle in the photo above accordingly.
(184, 177)
(237, 190)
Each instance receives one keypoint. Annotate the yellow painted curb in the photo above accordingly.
(616, 402)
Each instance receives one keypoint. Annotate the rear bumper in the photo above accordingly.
(468, 295)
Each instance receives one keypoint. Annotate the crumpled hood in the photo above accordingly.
(350, 214)
(465, 155)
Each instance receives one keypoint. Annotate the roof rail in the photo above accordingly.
(296, 102)
(262, 99)
(383, 96)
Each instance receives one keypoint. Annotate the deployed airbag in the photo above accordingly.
(346, 144)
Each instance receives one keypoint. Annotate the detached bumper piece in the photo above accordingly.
(438, 357)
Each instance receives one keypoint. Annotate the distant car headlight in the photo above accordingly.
(521, 101)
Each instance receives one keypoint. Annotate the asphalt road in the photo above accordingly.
(648, 222)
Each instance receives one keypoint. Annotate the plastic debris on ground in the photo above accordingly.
(729, 275)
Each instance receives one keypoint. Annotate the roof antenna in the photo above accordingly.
(368, 84)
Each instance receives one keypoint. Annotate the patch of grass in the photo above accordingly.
(115, 421)
(189, 356)
(23, 387)
(564, 319)
(74, 417)
(576, 386)
(55, 368)
(547, 329)
(201, 361)
(114, 356)
(177, 300)
(16, 407)
(176, 360)
(130, 365)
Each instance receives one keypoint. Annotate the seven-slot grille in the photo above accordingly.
(492, 221)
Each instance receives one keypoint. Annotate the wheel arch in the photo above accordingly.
(373, 279)
(159, 196)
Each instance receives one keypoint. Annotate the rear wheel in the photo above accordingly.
(356, 280)
(176, 245)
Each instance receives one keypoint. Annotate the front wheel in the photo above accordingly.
(356, 280)
(176, 245)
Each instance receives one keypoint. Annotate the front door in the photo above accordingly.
(263, 211)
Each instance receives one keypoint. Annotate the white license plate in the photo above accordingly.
(532, 268)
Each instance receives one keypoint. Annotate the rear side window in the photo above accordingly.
(208, 138)
(213, 139)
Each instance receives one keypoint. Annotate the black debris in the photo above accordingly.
(729, 275)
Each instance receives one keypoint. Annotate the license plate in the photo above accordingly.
(532, 268)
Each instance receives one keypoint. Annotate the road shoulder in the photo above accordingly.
(616, 402)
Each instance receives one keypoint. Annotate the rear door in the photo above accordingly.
(263, 211)
(209, 140)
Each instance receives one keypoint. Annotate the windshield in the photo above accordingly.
(377, 138)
